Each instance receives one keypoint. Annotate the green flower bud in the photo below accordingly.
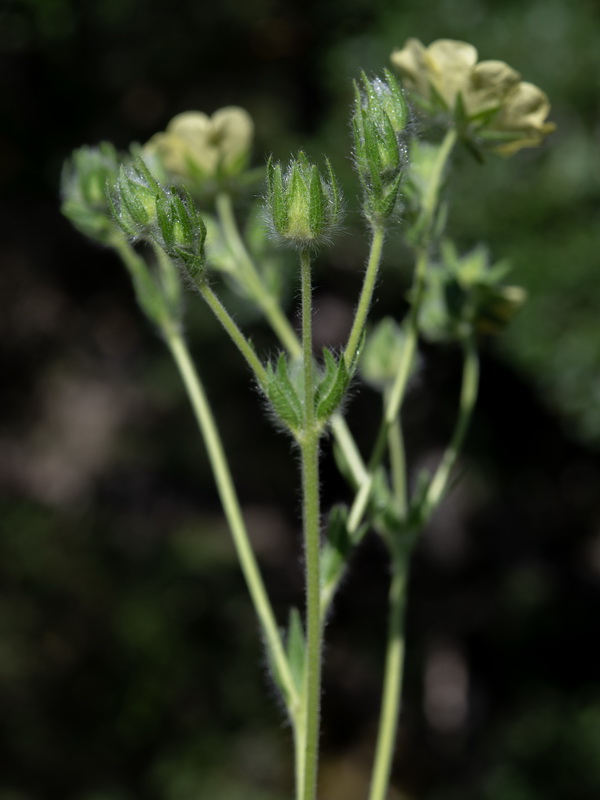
(147, 211)
(303, 206)
(182, 232)
(134, 200)
(84, 179)
(379, 124)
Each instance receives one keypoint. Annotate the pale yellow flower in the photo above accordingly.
(198, 146)
(504, 112)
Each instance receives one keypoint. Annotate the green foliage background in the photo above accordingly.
(129, 662)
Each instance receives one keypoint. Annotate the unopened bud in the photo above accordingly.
(379, 125)
(304, 206)
(84, 180)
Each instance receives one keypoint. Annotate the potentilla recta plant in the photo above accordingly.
(177, 196)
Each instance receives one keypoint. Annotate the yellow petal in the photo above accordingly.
(411, 62)
(449, 64)
(489, 84)
(195, 131)
(172, 151)
(234, 129)
(525, 109)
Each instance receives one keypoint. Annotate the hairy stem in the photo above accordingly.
(234, 332)
(392, 682)
(398, 466)
(468, 397)
(366, 295)
(262, 296)
(309, 446)
(233, 513)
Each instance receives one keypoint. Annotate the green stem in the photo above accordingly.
(234, 332)
(366, 295)
(280, 324)
(309, 445)
(398, 389)
(398, 466)
(263, 297)
(468, 397)
(400, 559)
(392, 682)
(394, 399)
(233, 513)
(432, 193)
(347, 445)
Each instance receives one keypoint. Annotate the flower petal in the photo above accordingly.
(489, 83)
(411, 62)
(234, 129)
(525, 109)
(449, 64)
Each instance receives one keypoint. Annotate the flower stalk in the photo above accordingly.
(150, 205)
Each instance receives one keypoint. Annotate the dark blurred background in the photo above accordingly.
(130, 665)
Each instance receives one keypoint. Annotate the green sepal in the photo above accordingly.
(335, 190)
(276, 196)
(316, 207)
(283, 396)
(332, 387)
(296, 649)
(389, 146)
(387, 204)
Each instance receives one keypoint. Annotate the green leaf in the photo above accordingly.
(283, 397)
(332, 388)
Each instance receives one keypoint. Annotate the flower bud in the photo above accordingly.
(84, 179)
(304, 207)
(182, 231)
(134, 200)
(379, 126)
(147, 211)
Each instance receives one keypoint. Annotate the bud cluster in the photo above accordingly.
(379, 125)
(464, 295)
(146, 211)
(303, 206)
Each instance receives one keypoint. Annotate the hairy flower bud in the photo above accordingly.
(304, 207)
(379, 125)
(182, 231)
(147, 211)
(134, 200)
(84, 179)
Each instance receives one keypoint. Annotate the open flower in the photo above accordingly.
(197, 146)
(487, 98)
